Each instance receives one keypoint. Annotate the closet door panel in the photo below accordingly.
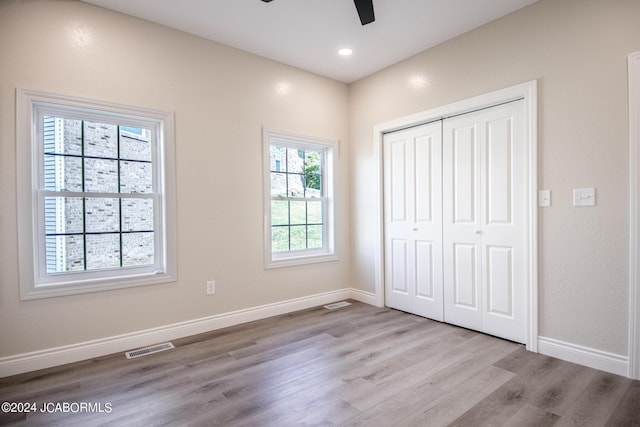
(398, 181)
(463, 164)
(413, 220)
(499, 281)
(399, 267)
(505, 224)
(499, 171)
(423, 184)
(425, 269)
(461, 213)
(398, 206)
(464, 276)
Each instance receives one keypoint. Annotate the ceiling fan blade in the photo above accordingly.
(364, 8)
(365, 11)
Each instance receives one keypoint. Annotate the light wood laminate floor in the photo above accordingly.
(355, 366)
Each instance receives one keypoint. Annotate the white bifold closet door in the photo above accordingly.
(456, 220)
(485, 221)
(413, 220)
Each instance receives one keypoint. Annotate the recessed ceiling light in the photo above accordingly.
(345, 51)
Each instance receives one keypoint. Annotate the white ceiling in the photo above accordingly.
(307, 33)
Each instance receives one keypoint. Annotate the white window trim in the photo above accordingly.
(331, 149)
(33, 283)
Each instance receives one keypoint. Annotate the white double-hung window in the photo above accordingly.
(299, 199)
(96, 199)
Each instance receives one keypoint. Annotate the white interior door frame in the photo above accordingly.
(634, 215)
(528, 92)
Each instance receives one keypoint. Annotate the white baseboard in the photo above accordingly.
(597, 359)
(13, 365)
(363, 296)
(26, 362)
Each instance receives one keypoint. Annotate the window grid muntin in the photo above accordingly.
(85, 194)
(304, 148)
(306, 224)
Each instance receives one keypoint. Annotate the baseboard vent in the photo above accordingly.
(148, 350)
(336, 305)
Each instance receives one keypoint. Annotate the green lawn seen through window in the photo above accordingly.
(296, 225)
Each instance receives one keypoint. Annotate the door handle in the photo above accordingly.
(478, 231)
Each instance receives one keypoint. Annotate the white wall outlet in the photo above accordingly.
(211, 287)
(544, 198)
(584, 197)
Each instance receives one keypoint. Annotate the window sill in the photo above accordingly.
(292, 260)
(88, 286)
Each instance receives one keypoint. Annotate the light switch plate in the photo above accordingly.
(584, 197)
(544, 198)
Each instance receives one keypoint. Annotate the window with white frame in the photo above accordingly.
(96, 196)
(299, 199)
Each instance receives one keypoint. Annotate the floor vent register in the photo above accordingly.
(336, 305)
(148, 350)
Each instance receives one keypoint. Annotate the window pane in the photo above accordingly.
(279, 239)
(62, 173)
(278, 159)
(103, 251)
(136, 177)
(101, 176)
(100, 140)
(102, 215)
(137, 214)
(279, 212)
(298, 237)
(314, 212)
(313, 173)
(299, 212)
(278, 184)
(313, 184)
(295, 160)
(62, 136)
(314, 237)
(137, 249)
(64, 253)
(63, 215)
(135, 143)
(295, 186)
